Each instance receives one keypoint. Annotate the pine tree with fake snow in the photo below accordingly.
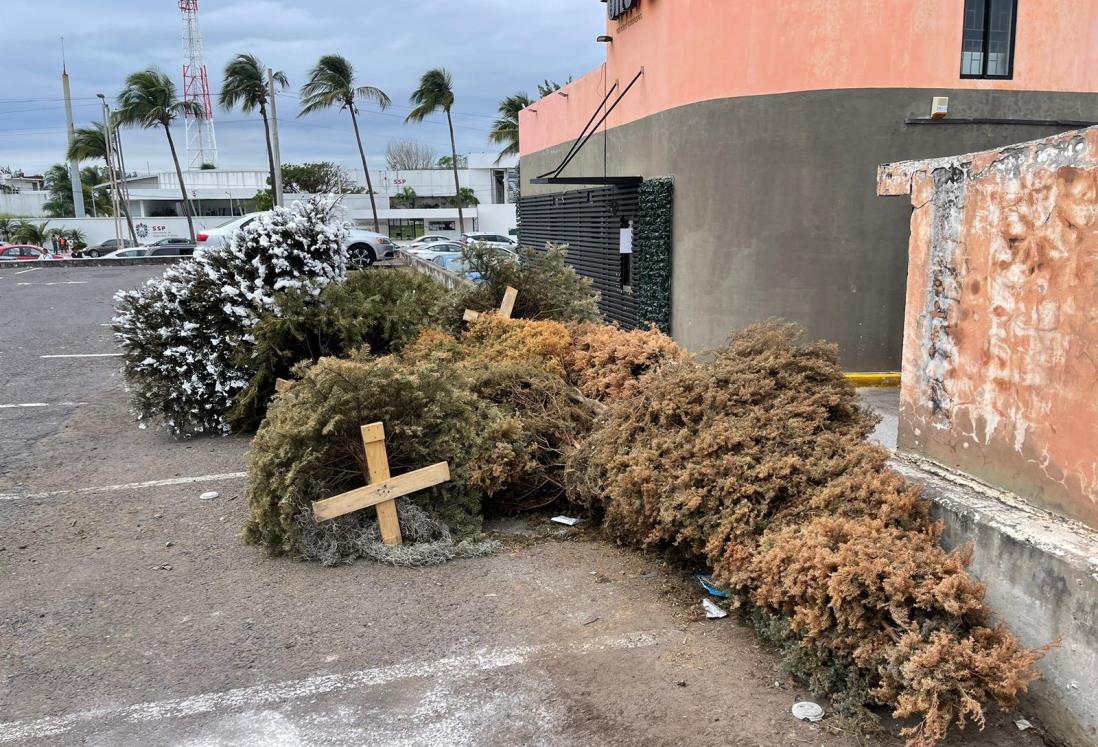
(185, 335)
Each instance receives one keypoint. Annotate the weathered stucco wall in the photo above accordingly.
(775, 211)
(1000, 361)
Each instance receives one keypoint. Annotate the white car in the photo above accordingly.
(424, 241)
(494, 240)
(437, 248)
(126, 253)
(363, 247)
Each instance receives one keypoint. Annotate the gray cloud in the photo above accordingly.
(492, 47)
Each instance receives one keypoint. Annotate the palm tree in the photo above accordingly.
(245, 85)
(466, 196)
(435, 92)
(332, 82)
(30, 233)
(505, 130)
(7, 228)
(90, 144)
(406, 196)
(149, 100)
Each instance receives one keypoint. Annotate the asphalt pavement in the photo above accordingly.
(132, 614)
(56, 349)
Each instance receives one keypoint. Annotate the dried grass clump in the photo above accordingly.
(542, 343)
(606, 362)
(426, 541)
(755, 463)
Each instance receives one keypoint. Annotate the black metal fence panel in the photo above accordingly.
(589, 221)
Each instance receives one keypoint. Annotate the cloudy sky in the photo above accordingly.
(493, 48)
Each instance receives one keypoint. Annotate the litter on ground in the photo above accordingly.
(808, 711)
(712, 611)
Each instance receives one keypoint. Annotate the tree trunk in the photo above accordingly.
(270, 152)
(182, 186)
(365, 168)
(457, 184)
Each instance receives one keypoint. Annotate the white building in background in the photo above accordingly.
(155, 201)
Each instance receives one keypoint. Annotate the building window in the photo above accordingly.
(988, 47)
(405, 229)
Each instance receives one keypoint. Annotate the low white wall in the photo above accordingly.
(23, 204)
(101, 229)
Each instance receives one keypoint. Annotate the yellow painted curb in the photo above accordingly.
(874, 379)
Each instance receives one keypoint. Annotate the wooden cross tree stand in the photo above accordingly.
(383, 489)
(505, 309)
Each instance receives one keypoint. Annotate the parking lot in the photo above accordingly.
(132, 614)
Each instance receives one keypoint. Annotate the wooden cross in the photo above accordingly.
(505, 309)
(383, 489)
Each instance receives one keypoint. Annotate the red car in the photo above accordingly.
(25, 252)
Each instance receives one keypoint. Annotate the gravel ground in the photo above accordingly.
(133, 615)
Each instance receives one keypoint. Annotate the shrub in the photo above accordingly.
(378, 310)
(181, 334)
(547, 287)
(606, 362)
(755, 463)
(310, 446)
(504, 428)
(542, 420)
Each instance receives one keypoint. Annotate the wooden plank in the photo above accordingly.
(374, 432)
(372, 495)
(508, 305)
(377, 464)
(470, 315)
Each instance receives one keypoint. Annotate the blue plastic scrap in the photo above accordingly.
(707, 584)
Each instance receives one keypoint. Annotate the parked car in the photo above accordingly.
(424, 241)
(104, 248)
(172, 247)
(138, 251)
(363, 247)
(438, 248)
(457, 264)
(494, 240)
(25, 253)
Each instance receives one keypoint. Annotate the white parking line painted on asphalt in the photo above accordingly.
(127, 486)
(265, 696)
(84, 355)
(66, 282)
(24, 272)
(42, 404)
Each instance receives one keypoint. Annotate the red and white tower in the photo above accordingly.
(201, 143)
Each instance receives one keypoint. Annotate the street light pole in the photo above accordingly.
(110, 169)
(272, 94)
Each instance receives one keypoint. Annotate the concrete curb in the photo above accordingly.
(101, 262)
(882, 379)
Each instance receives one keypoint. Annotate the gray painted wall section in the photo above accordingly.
(776, 212)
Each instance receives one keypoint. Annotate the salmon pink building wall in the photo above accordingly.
(1000, 362)
(701, 50)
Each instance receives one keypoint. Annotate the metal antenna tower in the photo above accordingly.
(201, 143)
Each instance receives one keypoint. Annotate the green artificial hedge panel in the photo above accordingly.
(652, 253)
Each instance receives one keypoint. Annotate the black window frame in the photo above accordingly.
(987, 42)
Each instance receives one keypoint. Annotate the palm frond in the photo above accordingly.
(148, 99)
(435, 93)
(88, 144)
(371, 93)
